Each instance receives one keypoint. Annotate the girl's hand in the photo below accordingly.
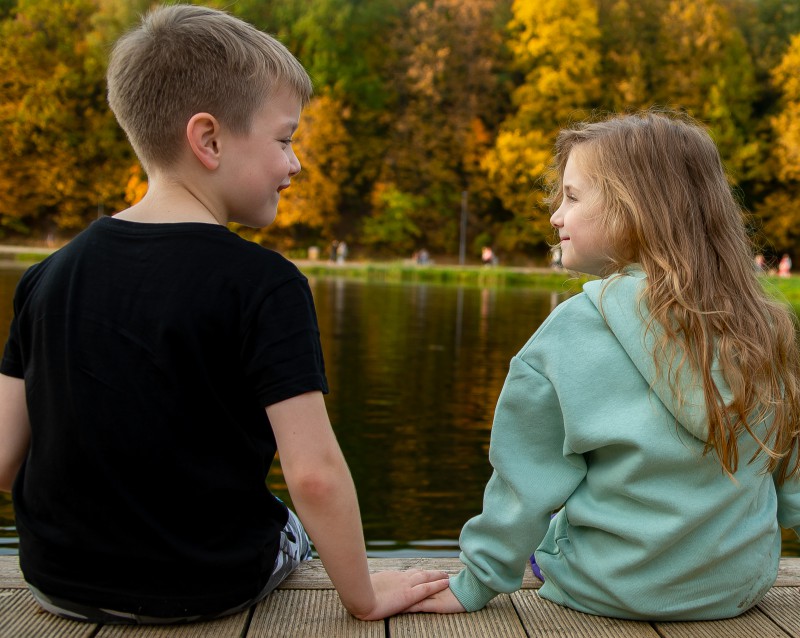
(443, 602)
(395, 591)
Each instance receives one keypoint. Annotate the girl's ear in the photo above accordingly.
(203, 133)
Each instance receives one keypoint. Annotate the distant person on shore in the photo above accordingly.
(333, 250)
(422, 257)
(760, 264)
(657, 412)
(341, 252)
(785, 266)
(157, 362)
(488, 258)
(555, 258)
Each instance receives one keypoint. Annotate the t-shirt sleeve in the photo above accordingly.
(282, 353)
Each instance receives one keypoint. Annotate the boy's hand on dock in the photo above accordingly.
(395, 591)
(442, 602)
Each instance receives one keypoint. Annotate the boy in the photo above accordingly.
(156, 363)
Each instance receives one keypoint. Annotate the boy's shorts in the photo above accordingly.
(295, 548)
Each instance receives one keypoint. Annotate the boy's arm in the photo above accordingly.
(15, 430)
(324, 497)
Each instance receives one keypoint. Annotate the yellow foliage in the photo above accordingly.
(63, 157)
(518, 166)
(556, 44)
(136, 188)
(786, 124)
(562, 84)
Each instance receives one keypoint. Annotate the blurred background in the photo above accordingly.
(427, 114)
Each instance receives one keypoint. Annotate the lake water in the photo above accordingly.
(414, 374)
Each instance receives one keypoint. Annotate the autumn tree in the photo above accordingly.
(767, 26)
(631, 64)
(781, 208)
(556, 50)
(64, 159)
(450, 98)
(345, 46)
(707, 71)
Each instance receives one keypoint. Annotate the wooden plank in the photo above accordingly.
(21, 617)
(542, 617)
(749, 625)
(307, 613)
(230, 627)
(10, 576)
(782, 605)
(497, 620)
(312, 575)
(788, 573)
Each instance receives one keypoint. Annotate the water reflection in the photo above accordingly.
(414, 372)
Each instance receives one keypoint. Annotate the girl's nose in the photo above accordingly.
(557, 219)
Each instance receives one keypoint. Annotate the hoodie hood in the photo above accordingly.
(619, 298)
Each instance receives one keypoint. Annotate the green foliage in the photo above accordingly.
(390, 226)
(6, 7)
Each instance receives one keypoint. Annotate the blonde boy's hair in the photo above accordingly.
(182, 60)
(667, 205)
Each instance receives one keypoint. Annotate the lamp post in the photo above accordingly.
(462, 247)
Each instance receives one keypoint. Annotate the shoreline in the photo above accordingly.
(786, 289)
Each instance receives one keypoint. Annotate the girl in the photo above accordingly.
(660, 406)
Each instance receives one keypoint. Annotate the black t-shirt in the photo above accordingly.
(149, 352)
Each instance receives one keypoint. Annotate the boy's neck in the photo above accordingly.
(168, 202)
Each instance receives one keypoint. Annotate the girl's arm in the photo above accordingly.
(788, 495)
(15, 430)
(324, 498)
(532, 477)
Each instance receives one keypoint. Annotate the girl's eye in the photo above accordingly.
(571, 198)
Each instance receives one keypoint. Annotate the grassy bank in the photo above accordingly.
(784, 288)
(458, 275)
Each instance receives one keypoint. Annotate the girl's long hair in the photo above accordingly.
(668, 206)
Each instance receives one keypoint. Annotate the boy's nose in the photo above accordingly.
(294, 165)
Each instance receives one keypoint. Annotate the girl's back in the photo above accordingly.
(660, 407)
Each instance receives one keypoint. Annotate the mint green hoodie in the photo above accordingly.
(650, 528)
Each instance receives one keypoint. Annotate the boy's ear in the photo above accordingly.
(203, 133)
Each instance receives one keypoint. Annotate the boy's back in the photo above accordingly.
(154, 349)
(157, 363)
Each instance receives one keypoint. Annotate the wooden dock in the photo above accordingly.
(307, 606)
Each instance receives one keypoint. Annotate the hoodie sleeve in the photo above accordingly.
(789, 504)
(533, 475)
